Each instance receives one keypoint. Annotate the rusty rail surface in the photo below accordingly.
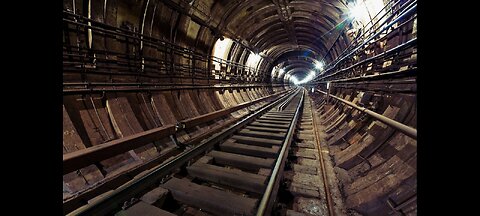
(269, 196)
(112, 200)
(328, 195)
(407, 130)
(84, 157)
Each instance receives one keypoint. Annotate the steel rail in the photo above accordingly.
(112, 200)
(78, 159)
(328, 195)
(267, 200)
(115, 181)
(407, 130)
(282, 106)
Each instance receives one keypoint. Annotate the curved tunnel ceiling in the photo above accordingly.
(281, 31)
(293, 32)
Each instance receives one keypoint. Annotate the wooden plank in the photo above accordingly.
(169, 98)
(210, 199)
(265, 172)
(285, 112)
(78, 159)
(92, 115)
(305, 154)
(125, 124)
(100, 152)
(305, 136)
(142, 208)
(238, 97)
(163, 110)
(72, 142)
(142, 108)
(266, 129)
(285, 126)
(261, 134)
(309, 145)
(277, 115)
(184, 104)
(230, 177)
(304, 169)
(284, 122)
(279, 118)
(250, 150)
(303, 190)
(241, 161)
(256, 141)
(154, 195)
(202, 106)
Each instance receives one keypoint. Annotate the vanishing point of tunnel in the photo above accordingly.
(239, 107)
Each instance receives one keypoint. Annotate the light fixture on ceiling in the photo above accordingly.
(319, 65)
(357, 12)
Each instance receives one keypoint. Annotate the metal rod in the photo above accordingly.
(169, 84)
(409, 131)
(84, 157)
(139, 36)
(369, 30)
(390, 51)
(136, 89)
(266, 199)
(328, 195)
(392, 73)
(406, 13)
(111, 200)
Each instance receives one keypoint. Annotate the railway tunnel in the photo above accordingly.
(228, 107)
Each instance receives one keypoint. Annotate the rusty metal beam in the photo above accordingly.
(407, 130)
(117, 180)
(84, 157)
(132, 188)
(81, 158)
(326, 187)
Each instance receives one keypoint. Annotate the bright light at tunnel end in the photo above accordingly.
(308, 78)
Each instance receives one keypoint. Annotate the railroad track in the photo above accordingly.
(235, 172)
(306, 180)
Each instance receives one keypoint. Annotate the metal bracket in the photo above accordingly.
(127, 204)
(391, 205)
(179, 126)
(174, 139)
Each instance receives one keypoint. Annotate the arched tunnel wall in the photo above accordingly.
(93, 119)
(130, 67)
(375, 163)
